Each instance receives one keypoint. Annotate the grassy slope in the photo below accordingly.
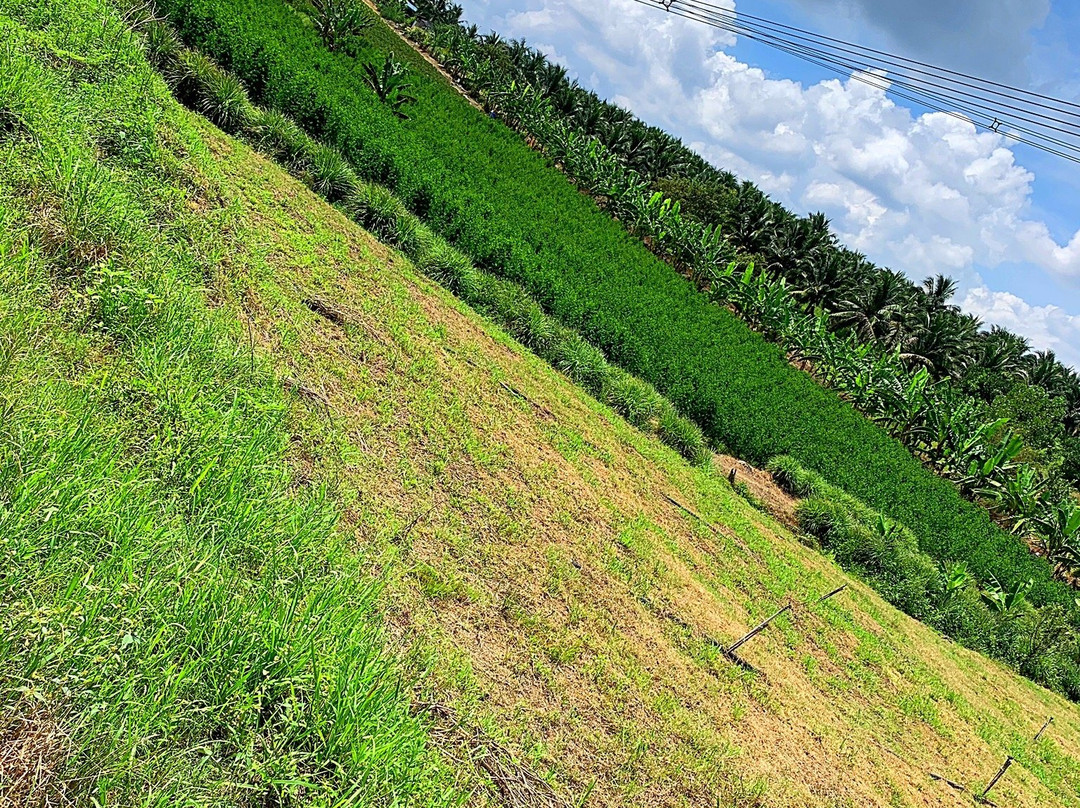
(540, 587)
(557, 604)
(500, 202)
(181, 623)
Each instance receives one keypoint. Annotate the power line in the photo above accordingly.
(1040, 141)
(944, 94)
(733, 23)
(938, 93)
(810, 35)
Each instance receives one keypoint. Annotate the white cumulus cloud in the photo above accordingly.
(1048, 327)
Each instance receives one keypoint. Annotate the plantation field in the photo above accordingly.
(479, 186)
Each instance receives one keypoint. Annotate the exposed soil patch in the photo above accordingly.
(762, 488)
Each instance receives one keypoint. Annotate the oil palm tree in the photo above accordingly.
(939, 339)
(1001, 351)
(874, 312)
(820, 285)
(1043, 369)
(750, 221)
(938, 291)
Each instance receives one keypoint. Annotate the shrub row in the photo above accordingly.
(1038, 641)
(217, 94)
(479, 187)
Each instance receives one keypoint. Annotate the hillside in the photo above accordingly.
(555, 605)
(475, 183)
(283, 522)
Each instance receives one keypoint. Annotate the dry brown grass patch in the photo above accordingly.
(33, 748)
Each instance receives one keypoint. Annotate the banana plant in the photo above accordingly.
(658, 213)
(955, 580)
(1059, 536)
(1020, 498)
(1006, 602)
(990, 460)
(708, 252)
(388, 82)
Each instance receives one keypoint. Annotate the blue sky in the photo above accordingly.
(916, 191)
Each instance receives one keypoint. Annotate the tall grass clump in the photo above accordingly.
(223, 99)
(85, 219)
(377, 209)
(178, 615)
(683, 435)
(200, 84)
(638, 401)
(277, 136)
(447, 266)
(581, 361)
(790, 475)
(331, 175)
(414, 238)
(162, 44)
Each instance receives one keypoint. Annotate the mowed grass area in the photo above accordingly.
(557, 608)
(181, 621)
(239, 436)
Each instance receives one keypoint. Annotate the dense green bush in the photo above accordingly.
(479, 187)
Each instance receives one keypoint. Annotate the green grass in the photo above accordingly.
(182, 623)
(193, 548)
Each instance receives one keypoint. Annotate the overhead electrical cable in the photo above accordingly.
(906, 78)
(732, 24)
(1039, 141)
(841, 44)
(946, 93)
(890, 83)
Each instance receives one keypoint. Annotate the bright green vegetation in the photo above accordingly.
(711, 217)
(219, 94)
(475, 184)
(182, 623)
(192, 556)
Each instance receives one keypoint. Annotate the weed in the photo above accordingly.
(278, 136)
